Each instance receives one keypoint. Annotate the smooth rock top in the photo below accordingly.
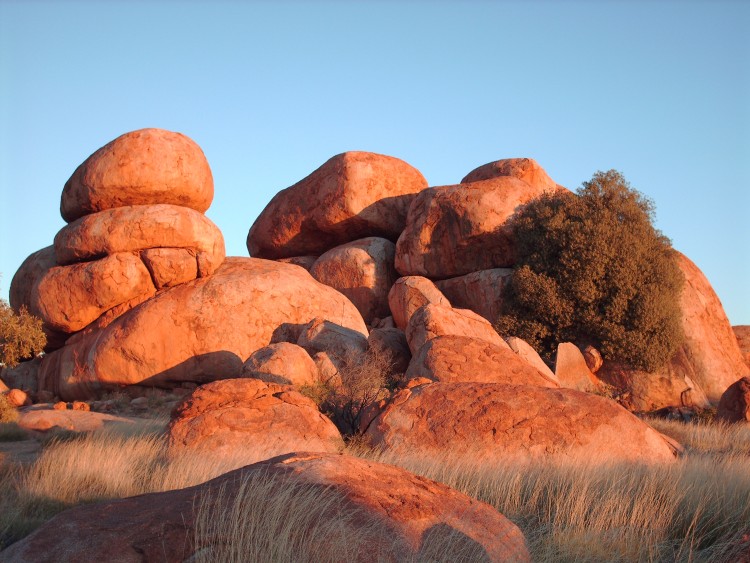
(352, 196)
(142, 167)
(526, 169)
(283, 363)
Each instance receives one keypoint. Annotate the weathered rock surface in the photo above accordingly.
(67, 298)
(197, 332)
(742, 332)
(142, 167)
(455, 230)
(282, 363)
(409, 294)
(408, 516)
(352, 196)
(24, 376)
(527, 353)
(497, 423)
(571, 369)
(464, 359)
(305, 262)
(482, 292)
(343, 343)
(43, 418)
(17, 398)
(170, 266)
(363, 271)
(734, 405)
(258, 419)
(139, 227)
(593, 357)
(526, 169)
(430, 321)
(391, 341)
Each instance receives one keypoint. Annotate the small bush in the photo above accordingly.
(591, 268)
(21, 335)
(8, 413)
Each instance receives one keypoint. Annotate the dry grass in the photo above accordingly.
(8, 413)
(701, 438)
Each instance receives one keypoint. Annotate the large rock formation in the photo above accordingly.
(488, 422)
(394, 515)
(352, 196)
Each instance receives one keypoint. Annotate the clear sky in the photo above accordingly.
(270, 90)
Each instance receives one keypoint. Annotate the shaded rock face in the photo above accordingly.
(496, 423)
(363, 271)
(341, 342)
(391, 341)
(742, 333)
(455, 230)
(258, 419)
(282, 363)
(527, 353)
(482, 292)
(140, 168)
(24, 376)
(734, 405)
(352, 196)
(526, 169)
(198, 331)
(571, 369)
(406, 513)
(465, 359)
(409, 294)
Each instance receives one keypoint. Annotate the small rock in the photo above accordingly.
(593, 358)
(60, 406)
(81, 406)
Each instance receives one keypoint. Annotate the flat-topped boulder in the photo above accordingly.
(526, 169)
(351, 196)
(197, 332)
(455, 230)
(143, 167)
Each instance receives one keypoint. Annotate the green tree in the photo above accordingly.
(21, 335)
(592, 268)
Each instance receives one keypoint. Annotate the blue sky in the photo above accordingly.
(270, 90)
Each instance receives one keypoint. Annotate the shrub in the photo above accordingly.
(592, 269)
(8, 412)
(21, 335)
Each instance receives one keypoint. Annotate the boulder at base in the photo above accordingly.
(396, 516)
(252, 419)
(488, 422)
(734, 405)
(283, 363)
(409, 294)
(199, 331)
(142, 167)
(352, 196)
(571, 369)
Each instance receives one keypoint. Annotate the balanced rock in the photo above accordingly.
(143, 167)
(430, 321)
(251, 418)
(482, 291)
(408, 294)
(571, 369)
(742, 333)
(527, 353)
(526, 169)
(465, 359)
(734, 405)
(282, 363)
(455, 230)
(363, 271)
(196, 332)
(489, 422)
(394, 515)
(352, 196)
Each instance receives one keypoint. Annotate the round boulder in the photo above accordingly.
(282, 363)
(526, 169)
(734, 405)
(409, 294)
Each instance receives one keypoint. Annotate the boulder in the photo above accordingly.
(352, 196)
(391, 341)
(43, 418)
(571, 369)
(455, 230)
(527, 353)
(67, 298)
(138, 227)
(142, 167)
(363, 271)
(196, 332)
(734, 405)
(305, 262)
(482, 292)
(23, 376)
(282, 363)
(170, 266)
(465, 359)
(526, 169)
(593, 357)
(493, 423)
(254, 418)
(17, 398)
(430, 321)
(392, 514)
(342, 343)
(742, 333)
(409, 294)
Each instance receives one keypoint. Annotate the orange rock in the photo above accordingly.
(571, 369)
(17, 398)
(409, 294)
(305, 262)
(59, 418)
(456, 230)
(431, 321)
(255, 419)
(60, 406)
(482, 292)
(396, 515)
(734, 405)
(142, 167)
(593, 358)
(493, 423)
(342, 343)
(170, 266)
(363, 271)
(81, 406)
(524, 350)
(67, 298)
(465, 359)
(526, 169)
(198, 331)
(743, 340)
(283, 363)
(352, 196)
